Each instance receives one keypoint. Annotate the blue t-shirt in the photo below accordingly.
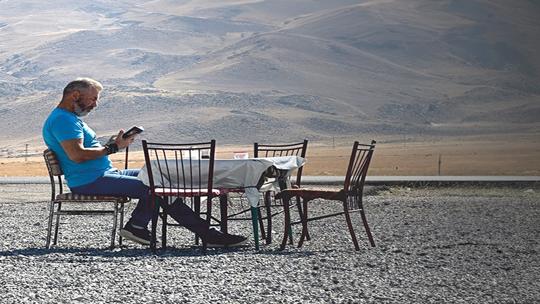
(63, 125)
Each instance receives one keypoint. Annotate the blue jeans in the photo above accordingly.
(123, 183)
(126, 183)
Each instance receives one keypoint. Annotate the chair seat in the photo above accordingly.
(310, 194)
(89, 198)
(185, 192)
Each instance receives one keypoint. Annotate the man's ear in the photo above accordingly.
(75, 94)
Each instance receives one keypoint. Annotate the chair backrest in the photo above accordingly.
(358, 167)
(54, 169)
(270, 150)
(187, 166)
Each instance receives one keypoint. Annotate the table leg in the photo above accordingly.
(255, 222)
(223, 212)
(287, 223)
(267, 203)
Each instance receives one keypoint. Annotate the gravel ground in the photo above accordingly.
(446, 245)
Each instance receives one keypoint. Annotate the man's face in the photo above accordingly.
(86, 101)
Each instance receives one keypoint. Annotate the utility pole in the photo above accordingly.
(440, 162)
(26, 153)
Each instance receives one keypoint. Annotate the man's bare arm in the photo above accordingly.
(76, 151)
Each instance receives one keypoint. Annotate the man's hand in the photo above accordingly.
(124, 142)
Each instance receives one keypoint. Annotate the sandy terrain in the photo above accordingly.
(511, 155)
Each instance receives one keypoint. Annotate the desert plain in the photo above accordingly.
(507, 154)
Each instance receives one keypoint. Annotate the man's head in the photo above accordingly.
(83, 94)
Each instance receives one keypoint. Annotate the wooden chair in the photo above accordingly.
(59, 197)
(273, 150)
(179, 171)
(350, 196)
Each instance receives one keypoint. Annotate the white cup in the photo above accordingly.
(241, 155)
(190, 154)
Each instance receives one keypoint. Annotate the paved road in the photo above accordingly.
(374, 180)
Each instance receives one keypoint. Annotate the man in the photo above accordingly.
(88, 169)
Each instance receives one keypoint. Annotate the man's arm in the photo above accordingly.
(76, 151)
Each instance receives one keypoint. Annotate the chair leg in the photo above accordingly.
(290, 230)
(208, 219)
(115, 223)
(55, 240)
(164, 224)
(49, 225)
(302, 214)
(349, 224)
(197, 209)
(267, 203)
(287, 224)
(303, 218)
(368, 231)
(153, 230)
(208, 209)
(121, 222)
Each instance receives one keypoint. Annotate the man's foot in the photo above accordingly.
(217, 238)
(134, 233)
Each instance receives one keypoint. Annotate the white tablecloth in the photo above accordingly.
(232, 173)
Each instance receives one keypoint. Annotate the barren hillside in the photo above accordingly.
(240, 71)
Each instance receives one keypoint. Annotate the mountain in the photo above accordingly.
(247, 70)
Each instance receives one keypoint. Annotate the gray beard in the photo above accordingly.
(79, 111)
